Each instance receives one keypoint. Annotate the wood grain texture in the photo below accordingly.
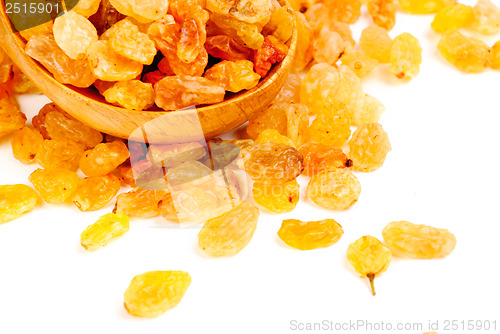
(89, 107)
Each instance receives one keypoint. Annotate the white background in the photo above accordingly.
(442, 171)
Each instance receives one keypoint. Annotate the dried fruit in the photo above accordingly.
(281, 24)
(327, 46)
(369, 257)
(15, 200)
(406, 56)
(272, 118)
(108, 227)
(347, 11)
(139, 203)
(376, 43)
(468, 54)
(87, 8)
(174, 93)
(273, 136)
(251, 11)
(60, 125)
(332, 126)
(104, 158)
(278, 198)
(229, 233)
(321, 81)
(55, 185)
(418, 241)
(25, 144)
(495, 55)
(152, 293)
(246, 34)
(142, 10)
(64, 69)
(133, 94)
(95, 192)
(126, 40)
(186, 172)
(11, 117)
(225, 47)
(271, 52)
(310, 235)
(60, 153)
(486, 17)
(273, 163)
(383, 13)
(335, 189)
(290, 92)
(368, 147)
(453, 17)
(318, 158)
(358, 62)
(424, 6)
(108, 65)
(74, 33)
(303, 52)
(297, 119)
(233, 76)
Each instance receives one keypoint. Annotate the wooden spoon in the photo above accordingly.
(167, 127)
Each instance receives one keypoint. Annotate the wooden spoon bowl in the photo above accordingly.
(154, 126)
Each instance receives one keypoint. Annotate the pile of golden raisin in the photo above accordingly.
(174, 54)
(306, 131)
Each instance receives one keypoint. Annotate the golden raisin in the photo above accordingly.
(154, 292)
(335, 189)
(406, 56)
(229, 233)
(95, 192)
(25, 144)
(102, 231)
(139, 203)
(55, 185)
(468, 54)
(278, 198)
(318, 157)
(60, 153)
(104, 158)
(311, 234)
(369, 146)
(369, 257)
(16, 200)
(418, 241)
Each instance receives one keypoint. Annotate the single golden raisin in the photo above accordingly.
(55, 185)
(468, 54)
(418, 241)
(369, 257)
(60, 153)
(25, 144)
(278, 198)
(139, 203)
(102, 231)
(376, 43)
(369, 146)
(318, 157)
(273, 163)
(15, 200)
(332, 126)
(311, 234)
(334, 189)
(452, 17)
(229, 233)
(104, 158)
(406, 56)
(95, 192)
(154, 292)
